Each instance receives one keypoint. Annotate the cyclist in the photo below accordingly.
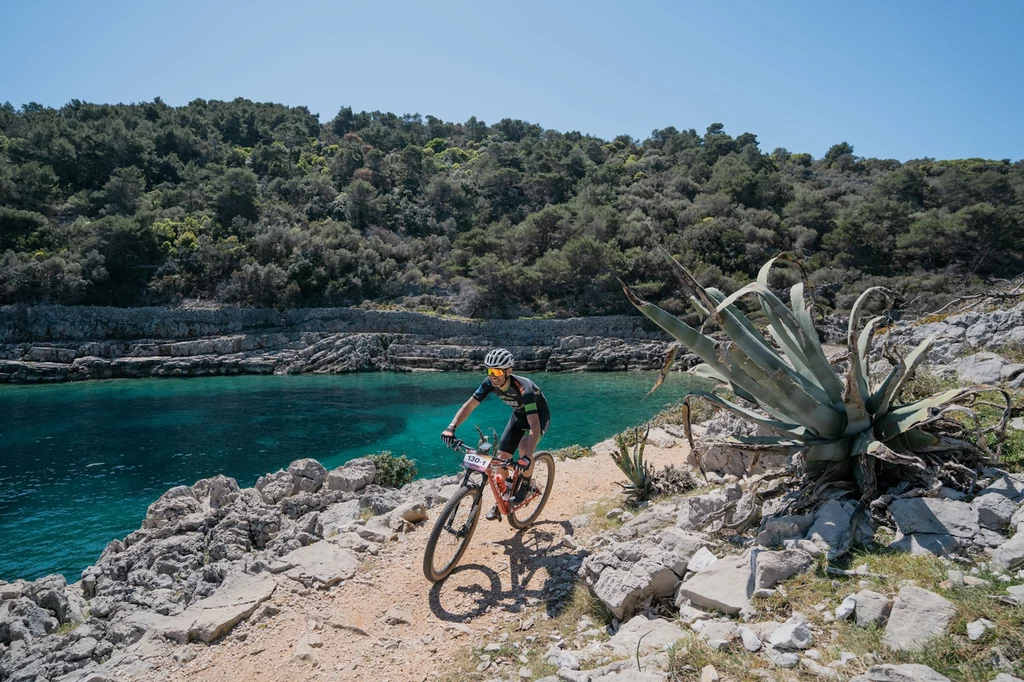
(527, 425)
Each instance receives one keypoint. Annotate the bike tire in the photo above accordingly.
(523, 517)
(464, 495)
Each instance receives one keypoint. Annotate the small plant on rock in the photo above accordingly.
(639, 485)
(392, 471)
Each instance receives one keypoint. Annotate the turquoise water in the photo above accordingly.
(80, 463)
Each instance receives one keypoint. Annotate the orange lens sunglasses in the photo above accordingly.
(495, 372)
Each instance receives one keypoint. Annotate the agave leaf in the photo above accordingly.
(779, 444)
(796, 404)
(883, 396)
(699, 307)
(831, 451)
(857, 390)
(708, 372)
(913, 440)
(789, 344)
(813, 355)
(881, 451)
(794, 431)
(750, 338)
(691, 285)
(713, 354)
(687, 429)
(864, 350)
(905, 417)
(670, 358)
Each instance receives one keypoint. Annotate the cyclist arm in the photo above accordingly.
(463, 413)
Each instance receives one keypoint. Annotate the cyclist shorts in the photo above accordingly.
(516, 428)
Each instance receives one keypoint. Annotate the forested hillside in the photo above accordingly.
(262, 205)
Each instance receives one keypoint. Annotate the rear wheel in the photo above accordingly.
(542, 481)
(451, 533)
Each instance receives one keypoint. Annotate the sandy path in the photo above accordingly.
(501, 579)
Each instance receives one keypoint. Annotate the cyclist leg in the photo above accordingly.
(544, 424)
(506, 446)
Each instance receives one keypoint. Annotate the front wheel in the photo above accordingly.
(541, 483)
(451, 533)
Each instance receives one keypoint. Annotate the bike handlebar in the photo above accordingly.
(459, 445)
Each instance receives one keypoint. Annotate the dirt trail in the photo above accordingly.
(504, 577)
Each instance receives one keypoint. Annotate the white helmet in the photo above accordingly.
(500, 358)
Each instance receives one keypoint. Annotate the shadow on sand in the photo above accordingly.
(539, 570)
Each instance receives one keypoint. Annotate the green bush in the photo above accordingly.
(392, 471)
(572, 452)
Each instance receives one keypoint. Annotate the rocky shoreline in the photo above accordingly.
(53, 344)
(210, 556)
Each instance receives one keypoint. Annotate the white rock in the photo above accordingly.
(976, 630)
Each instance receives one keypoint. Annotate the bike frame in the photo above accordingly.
(504, 505)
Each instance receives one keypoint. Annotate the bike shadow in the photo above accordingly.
(540, 569)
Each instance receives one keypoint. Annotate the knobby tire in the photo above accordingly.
(464, 495)
(521, 518)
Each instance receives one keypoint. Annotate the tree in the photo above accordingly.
(237, 196)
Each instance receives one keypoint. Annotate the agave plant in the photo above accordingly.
(833, 424)
(640, 478)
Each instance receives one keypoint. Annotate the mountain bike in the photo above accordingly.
(455, 525)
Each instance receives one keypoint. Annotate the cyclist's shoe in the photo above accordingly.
(524, 490)
(494, 514)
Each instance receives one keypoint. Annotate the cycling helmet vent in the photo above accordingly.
(500, 358)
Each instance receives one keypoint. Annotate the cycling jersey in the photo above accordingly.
(521, 394)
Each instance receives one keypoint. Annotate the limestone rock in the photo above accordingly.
(353, 476)
(872, 608)
(653, 634)
(831, 527)
(177, 502)
(1010, 555)
(210, 618)
(624, 573)
(725, 586)
(909, 672)
(307, 475)
(774, 567)
(917, 616)
(793, 634)
(321, 564)
(934, 516)
(994, 510)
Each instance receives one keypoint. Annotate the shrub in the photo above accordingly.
(639, 485)
(392, 471)
(572, 452)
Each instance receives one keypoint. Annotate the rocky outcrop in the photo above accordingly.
(206, 558)
(963, 335)
(72, 343)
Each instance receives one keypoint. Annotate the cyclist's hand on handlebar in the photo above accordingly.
(448, 437)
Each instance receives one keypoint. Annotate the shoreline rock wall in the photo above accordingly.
(57, 343)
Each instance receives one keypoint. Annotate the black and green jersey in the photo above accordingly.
(521, 394)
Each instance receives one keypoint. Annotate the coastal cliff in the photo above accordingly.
(56, 343)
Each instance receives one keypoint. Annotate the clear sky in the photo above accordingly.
(894, 78)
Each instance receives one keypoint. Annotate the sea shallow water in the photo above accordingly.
(81, 462)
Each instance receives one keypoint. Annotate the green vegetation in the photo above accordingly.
(854, 429)
(392, 471)
(256, 204)
(572, 452)
(639, 485)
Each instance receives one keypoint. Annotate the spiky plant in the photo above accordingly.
(835, 426)
(640, 477)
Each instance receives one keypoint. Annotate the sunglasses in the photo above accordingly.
(495, 372)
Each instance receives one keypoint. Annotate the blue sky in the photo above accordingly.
(896, 79)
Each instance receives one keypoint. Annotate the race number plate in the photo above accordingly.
(476, 462)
